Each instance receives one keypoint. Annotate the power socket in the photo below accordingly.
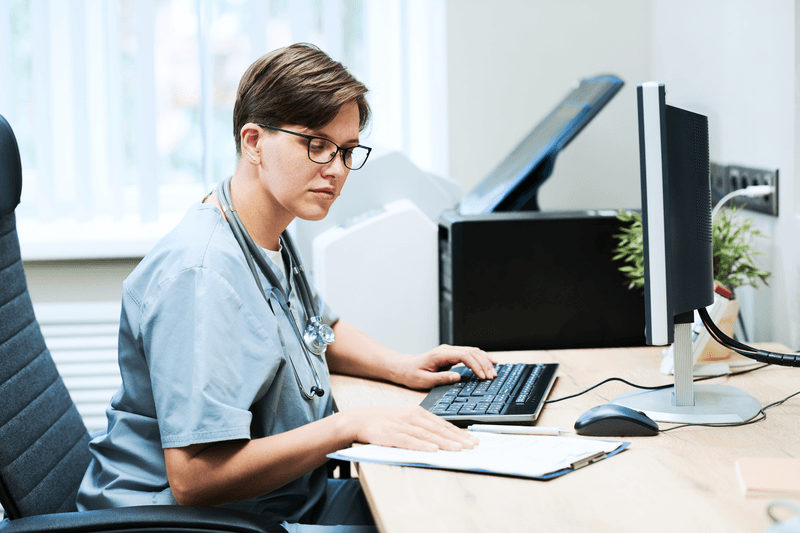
(726, 179)
(719, 182)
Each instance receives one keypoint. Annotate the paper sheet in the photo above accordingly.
(516, 455)
(773, 477)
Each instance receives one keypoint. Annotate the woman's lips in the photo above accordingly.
(328, 194)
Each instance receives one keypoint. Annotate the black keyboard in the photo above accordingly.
(515, 396)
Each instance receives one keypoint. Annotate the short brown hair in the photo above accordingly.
(299, 85)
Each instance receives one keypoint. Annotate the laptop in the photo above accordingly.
(516, 396)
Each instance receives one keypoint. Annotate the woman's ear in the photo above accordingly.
(250, 150)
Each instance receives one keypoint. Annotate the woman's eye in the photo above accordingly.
(317, 145)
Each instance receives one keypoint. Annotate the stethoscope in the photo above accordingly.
(317, 335)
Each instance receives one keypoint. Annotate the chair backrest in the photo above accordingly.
(43, 441)
(10, 169)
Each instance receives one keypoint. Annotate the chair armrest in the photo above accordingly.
(161, 518)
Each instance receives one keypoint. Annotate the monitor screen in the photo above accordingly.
(678, 266)
(676, 213)
(513, 184)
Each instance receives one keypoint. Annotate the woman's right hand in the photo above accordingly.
(227, 471)
(412, 428)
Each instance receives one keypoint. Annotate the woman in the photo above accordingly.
(220, 401)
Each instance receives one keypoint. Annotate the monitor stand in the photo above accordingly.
(526, 196)
(687, 402)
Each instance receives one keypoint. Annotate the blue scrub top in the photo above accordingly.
(203, 358)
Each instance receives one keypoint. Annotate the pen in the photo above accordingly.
(517, 430)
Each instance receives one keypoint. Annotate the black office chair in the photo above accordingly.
(43, 441)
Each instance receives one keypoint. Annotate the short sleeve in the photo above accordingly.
(209, 359)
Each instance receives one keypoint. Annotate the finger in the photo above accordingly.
(446, 430)
(441, 378)
(410, 435)
(479, 363)
(410, 442)
(467, 439)
(444, 356)
(487, 361)
(443, 438)
(487, 364)
(476, 358)
(417, 429)
(473, 358)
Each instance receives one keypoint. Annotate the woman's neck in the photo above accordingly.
(258, 214)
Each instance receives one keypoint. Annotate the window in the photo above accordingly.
(122, 108)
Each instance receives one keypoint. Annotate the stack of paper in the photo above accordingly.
(540, 457)
(769, 476)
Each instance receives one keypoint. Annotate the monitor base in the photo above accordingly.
(713, 404)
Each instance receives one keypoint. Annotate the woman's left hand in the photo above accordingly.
(432, 368)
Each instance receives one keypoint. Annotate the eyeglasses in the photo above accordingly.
(322, 151)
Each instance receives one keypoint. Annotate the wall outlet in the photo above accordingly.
(726, 179)
(719, 182)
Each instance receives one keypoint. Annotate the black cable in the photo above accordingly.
(773, 404)
(603, 383)
(741, 325)
(761, 356)
(721, 338)
(726, 425)
(754, 420)
(761, 411)
(657, 387)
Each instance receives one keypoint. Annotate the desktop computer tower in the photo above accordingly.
(534, 281)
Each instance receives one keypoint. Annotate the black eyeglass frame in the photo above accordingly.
(339, 149)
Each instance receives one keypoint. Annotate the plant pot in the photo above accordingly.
(725, 319)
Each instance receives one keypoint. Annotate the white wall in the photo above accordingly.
(511, 62)
(735, 61)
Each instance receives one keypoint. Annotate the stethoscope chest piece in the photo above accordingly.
(318, 335)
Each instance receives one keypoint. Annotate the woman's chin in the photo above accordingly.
(314, 215)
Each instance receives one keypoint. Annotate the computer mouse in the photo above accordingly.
(613, 420)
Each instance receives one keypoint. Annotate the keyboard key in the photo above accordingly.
(467, 389)
(481, 389)
(476, 397)
(526, 389)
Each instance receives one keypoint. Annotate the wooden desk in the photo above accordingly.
(682, 480)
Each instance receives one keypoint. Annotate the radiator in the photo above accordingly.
(82, 338)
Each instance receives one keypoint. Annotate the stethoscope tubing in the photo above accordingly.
(251, 253)
(297, 269)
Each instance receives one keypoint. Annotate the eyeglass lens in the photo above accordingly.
(323, 151)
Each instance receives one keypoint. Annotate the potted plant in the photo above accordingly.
(734, 266)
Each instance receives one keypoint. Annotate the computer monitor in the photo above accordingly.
(676, 221)
(513, 185)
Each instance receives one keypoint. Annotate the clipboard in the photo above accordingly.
(526, 456)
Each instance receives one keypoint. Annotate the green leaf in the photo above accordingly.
(731, 244)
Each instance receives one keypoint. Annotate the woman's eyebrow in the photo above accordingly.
(321, 135)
